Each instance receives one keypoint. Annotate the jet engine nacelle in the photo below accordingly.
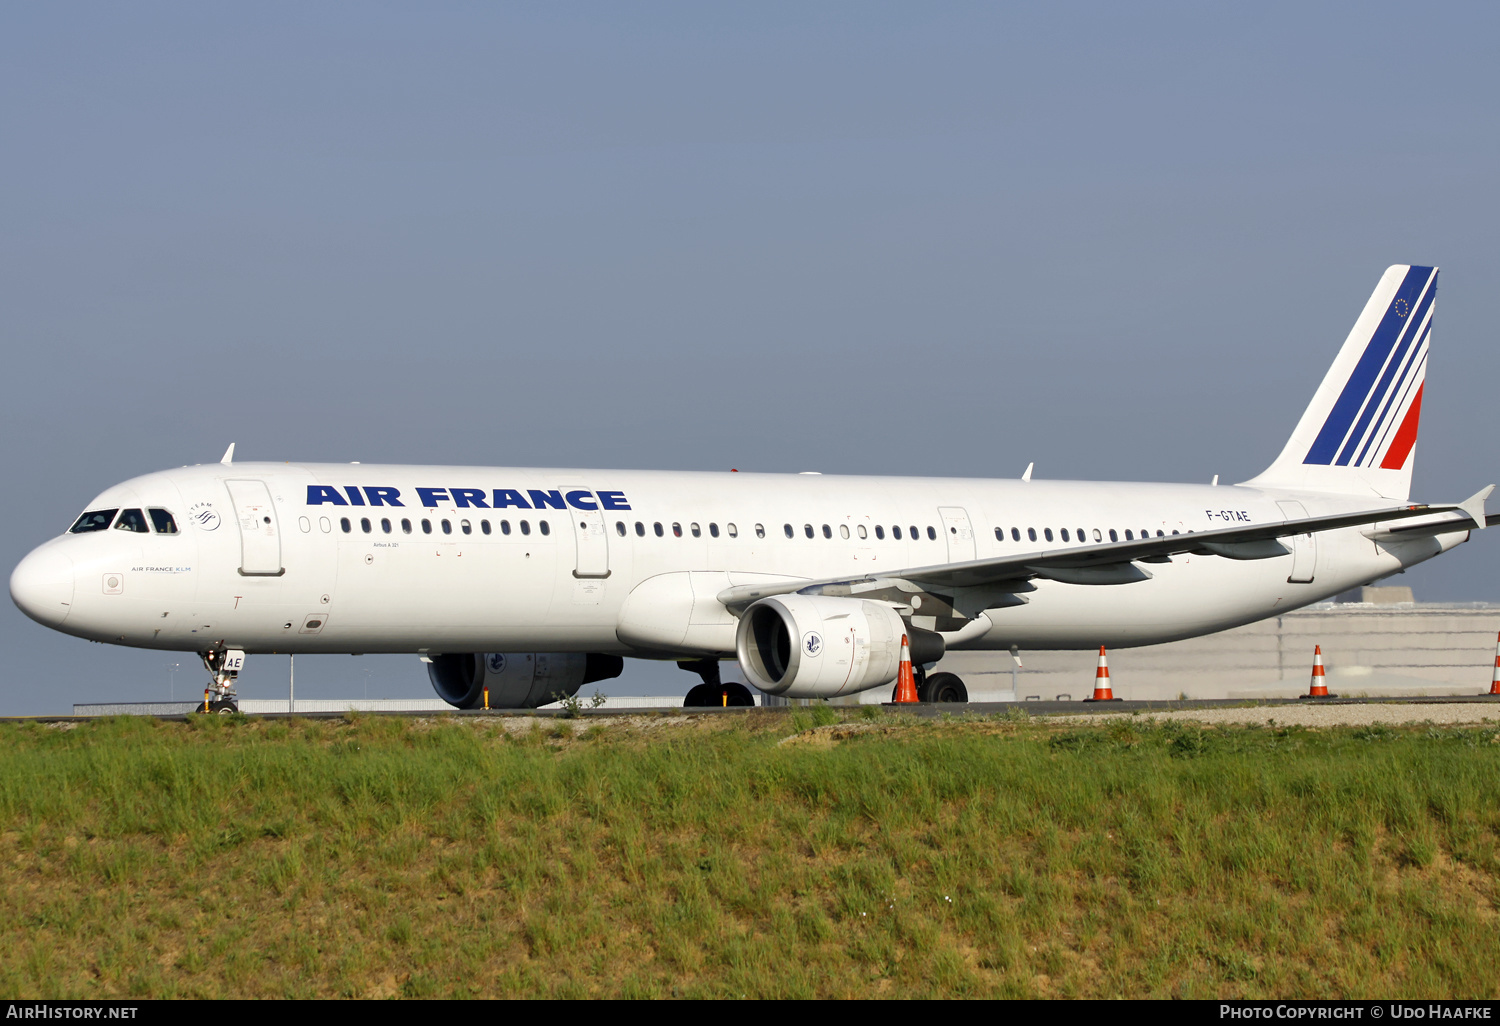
(816, 646)
(517, 680)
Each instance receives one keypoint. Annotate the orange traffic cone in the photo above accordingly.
(1102, 691)
(1318, 689)
(906, 681)
(1495, 680)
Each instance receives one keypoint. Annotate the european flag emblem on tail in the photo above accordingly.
(1358, 433)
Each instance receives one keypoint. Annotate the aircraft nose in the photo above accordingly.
(42, 586)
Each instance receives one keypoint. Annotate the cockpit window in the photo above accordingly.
(132, 520)
(162, 521)
(94, 520)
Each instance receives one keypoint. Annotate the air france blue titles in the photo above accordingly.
(469, 498)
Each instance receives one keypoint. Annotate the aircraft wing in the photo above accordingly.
(1112, 562)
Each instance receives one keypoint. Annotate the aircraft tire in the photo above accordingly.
(943, 687)
(739, 695)
(226, 707)
(707, 696)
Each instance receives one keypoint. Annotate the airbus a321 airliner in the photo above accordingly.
(534, 582)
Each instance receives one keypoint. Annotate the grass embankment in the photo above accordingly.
(383, 856)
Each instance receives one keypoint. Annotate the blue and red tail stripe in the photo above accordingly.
(1391, 363)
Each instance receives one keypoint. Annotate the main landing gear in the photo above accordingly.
(223, 665)
(713, 692)
(938, 687)
(942, 687)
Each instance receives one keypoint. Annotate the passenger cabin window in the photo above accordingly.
(1065, 534)
(863, 533)
(807, 529)
(505, 527)
(620, 528)
(426, 526)
(880, 532)
(325, 525)
(916, 534)
(1015, 534)
(132, 520)
(305, 524)
(1114, 537)
(896, 532)
(1031, 533)
(94, 520)
(447, 526)
(731, 530)
(931, 533)
(1129, 535)
(658, 529)
(385, 525)
(466, 527)
(545, 526)
(827, 532)
(676, 529)
(484, 526)
(364, 524)
(713, 530)
(1047, 533)
(697, 531)
(999, 534)
(525, 527)
(164, 524)
(640, 529)
(786, 527)
(344, 523)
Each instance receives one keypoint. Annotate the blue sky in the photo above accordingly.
(1123, 241)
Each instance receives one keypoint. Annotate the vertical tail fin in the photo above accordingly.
(1358, 433)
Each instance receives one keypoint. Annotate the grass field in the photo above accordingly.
(384, 856)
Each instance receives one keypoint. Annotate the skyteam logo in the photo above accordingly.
(204, 515)
(1374, 421)
(812, 644)
(496, 662)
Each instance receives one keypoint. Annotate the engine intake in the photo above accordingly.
(816, 646)
(517, 680)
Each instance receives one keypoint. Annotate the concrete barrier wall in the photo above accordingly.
(1407, 649)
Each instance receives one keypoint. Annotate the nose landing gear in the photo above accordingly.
(224, 666)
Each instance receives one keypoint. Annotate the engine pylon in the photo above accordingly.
(1102, 691)
(906, 681)
(1495, 678)
(1318, 688)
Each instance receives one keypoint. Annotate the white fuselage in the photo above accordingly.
(283, 574)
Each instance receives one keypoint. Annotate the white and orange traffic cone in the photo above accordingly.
(1495, 679)
(1318, 688)
(906, 681)
(1102, 690)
